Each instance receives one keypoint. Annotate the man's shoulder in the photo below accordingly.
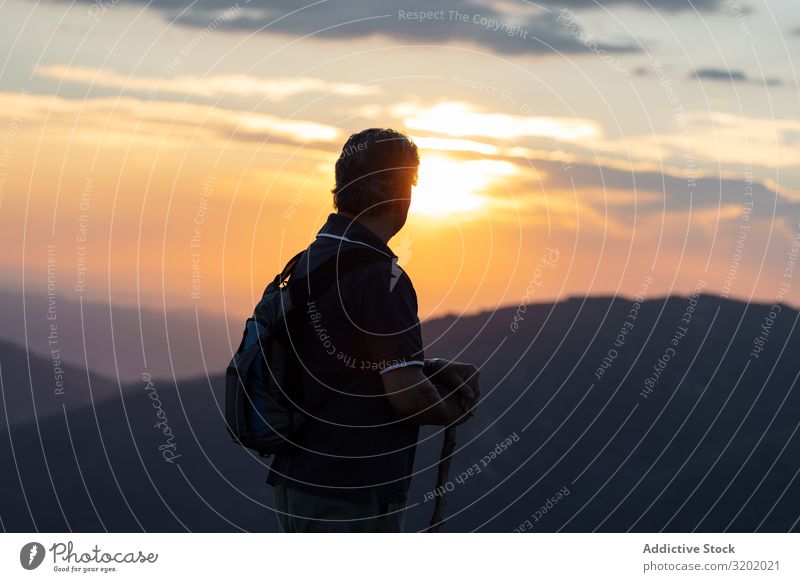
(385, 277)
(367, 270)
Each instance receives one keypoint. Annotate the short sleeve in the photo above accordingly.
(387, 317)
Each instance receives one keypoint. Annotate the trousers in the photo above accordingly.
(304, 512)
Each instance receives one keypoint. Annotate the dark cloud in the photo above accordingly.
(542, 30)
(452, 21)
(734, 76)
(664, 5)
(719, 75)
(677, 193)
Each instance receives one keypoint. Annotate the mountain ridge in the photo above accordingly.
(712, 447)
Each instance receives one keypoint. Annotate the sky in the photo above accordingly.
(174, 155)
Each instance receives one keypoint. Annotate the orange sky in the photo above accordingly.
(191, 183)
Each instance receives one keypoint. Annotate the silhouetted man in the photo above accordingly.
(365, 389)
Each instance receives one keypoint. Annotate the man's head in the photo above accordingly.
(374, 176)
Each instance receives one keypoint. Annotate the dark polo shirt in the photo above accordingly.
(346, 337)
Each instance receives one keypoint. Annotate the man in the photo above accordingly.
(365, 388)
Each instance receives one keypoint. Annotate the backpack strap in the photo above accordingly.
(281, 277)
(330, 270)
(300, 288)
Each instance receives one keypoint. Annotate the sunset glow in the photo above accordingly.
(447, 186)
(462, 119)
(635, 168)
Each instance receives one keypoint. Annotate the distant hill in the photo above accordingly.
(119, 341)
(34, 387)
(713, 446)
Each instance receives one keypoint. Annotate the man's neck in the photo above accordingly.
(379, 226)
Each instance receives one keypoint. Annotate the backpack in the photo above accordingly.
(262, 381)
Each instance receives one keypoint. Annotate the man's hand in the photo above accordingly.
(440, 392)
(455, 380)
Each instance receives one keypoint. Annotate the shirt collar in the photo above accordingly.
(339, 227)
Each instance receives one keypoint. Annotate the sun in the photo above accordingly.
(448, 186)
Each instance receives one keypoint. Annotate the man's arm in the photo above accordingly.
(451, 376)
(416, 400)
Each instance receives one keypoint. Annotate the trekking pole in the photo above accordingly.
(448, 446)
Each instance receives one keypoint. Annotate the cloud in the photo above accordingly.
(676, 192)
(713, 138)
(623, 189)
(526, 28)
(663, 5)
(719, 75)
(620, 190)
(735, 76)
(274, 89)
(454, 145)
(615, 200)
(459, 119)
(111, 120)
